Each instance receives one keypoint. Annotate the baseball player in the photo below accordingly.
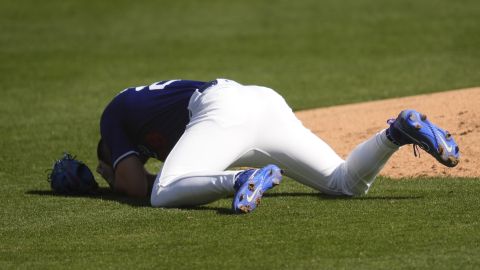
(201, 130)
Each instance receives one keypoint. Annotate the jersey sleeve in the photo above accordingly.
(114, 133)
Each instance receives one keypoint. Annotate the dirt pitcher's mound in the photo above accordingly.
(343, 127)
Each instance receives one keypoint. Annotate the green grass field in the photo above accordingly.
(62, 61)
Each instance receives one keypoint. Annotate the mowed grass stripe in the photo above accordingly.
(402, 224)
(62, 61)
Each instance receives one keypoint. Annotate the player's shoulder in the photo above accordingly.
(175, 84)
(132, 96)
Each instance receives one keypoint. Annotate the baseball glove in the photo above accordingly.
(71, 177)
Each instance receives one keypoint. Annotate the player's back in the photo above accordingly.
(148, 119)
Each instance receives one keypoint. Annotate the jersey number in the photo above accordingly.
(156, 86)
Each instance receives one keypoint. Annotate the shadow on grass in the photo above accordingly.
(107, 194)
(101, 194)
(292, 194)
(341, 197)
(370, 197)
(220, 210)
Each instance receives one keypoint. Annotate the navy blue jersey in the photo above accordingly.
(147, 120)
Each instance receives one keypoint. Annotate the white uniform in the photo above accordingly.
(235, 125)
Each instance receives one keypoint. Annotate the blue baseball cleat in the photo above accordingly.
(413, 127)
(250, 186)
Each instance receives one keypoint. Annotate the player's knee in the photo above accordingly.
(155, 202)
(160, 198)
(171, 197)
(164, 195)
(160, 202)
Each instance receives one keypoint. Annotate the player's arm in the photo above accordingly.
(131, 178)
(150, 177)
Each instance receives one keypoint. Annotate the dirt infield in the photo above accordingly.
(457, 111)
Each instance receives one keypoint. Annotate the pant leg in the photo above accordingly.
(217, 135)
(353, 176)
(364, 163)
(310, 161)
(193, 173)
(236, 121)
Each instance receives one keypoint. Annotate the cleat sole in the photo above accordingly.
(453, 161)
(439, 143)
(248, 196)
(245, 208)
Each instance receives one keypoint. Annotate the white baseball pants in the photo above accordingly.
(235, 125)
